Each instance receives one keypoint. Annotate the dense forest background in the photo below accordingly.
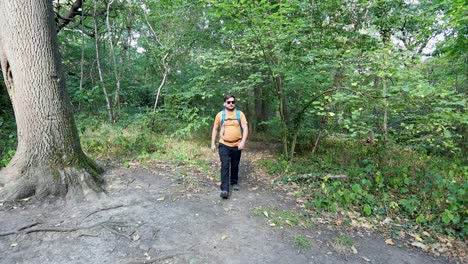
(374, 90)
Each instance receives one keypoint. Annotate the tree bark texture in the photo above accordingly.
(48, 159)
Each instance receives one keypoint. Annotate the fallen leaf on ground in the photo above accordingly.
(338, 222)
(265, 213)
(425, 233)
(387, 220)
(161, 198)
(223, 237)
(354, 250)
(419, 245)
(437, 247)
(13, 245)
(416, 236)
(389, 242)
(402, 233)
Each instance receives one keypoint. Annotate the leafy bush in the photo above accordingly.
(382, 180)
(7, 140)
(137, 136)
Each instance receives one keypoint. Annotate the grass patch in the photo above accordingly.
(302, 242)
(134, 140)
(343, 244)
(284, 218)
(130, 141)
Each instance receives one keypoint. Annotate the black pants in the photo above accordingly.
(230, 157)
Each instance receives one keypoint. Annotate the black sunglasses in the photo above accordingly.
(230, 102)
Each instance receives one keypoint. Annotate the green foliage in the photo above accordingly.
(134, 137)
(319, 77)
(382, 182)
(7, 140)
(302, 242)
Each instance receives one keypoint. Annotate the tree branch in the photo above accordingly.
(74, 11)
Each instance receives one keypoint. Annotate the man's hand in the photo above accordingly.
(213, 147)
(241, 146)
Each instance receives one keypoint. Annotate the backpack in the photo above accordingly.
(223, 117)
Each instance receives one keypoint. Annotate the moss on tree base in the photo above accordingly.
(75, 181)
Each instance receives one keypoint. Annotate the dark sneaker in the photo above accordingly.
(224, 194)
(235, 187)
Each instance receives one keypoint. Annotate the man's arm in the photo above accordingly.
(214, 133)
(245, 134)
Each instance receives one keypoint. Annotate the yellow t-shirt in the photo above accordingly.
(230, 134)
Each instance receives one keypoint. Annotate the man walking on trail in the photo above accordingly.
(233, 134)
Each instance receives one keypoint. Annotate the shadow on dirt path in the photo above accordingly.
(167, 213)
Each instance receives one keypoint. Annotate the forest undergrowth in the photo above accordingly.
(409, 196)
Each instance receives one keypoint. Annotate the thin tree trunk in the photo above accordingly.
(293, 144)
(123, 60)
(316, 142)
(163, 82)
(101, 79)
(257, 107)
(164, 61)
(48, 159)
(282, 112)
(385, 103)
(82, 58)
(114, 62)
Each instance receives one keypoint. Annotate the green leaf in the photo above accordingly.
(367, 210)
(447, 216)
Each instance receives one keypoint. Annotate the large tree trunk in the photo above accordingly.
(49, 159)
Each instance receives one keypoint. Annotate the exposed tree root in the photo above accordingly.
(28, 229)
(76, 181)
(19, 229)
(160, 258)
(115, 232)
(104, 209)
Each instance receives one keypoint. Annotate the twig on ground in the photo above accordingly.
(87, 235)
(130, 181)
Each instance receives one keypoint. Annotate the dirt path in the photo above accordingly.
(170, 214)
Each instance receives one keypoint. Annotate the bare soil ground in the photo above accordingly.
(172, 213)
